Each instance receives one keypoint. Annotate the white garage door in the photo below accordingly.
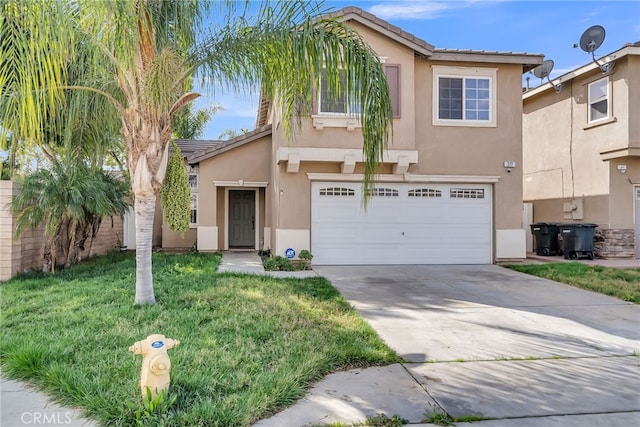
(403, 224)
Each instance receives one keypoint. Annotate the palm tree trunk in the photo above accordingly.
(71, 244)
(144, 207)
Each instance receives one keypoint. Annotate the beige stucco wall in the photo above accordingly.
(562, 153)
(621, 199)
(633, 84)
(459, 150)
(403, 127)
(442, 150)
(250, 162)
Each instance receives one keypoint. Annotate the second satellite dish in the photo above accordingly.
(591, 40)
(543, 71)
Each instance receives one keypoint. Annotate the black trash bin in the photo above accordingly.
(546, 234)
(577, 240)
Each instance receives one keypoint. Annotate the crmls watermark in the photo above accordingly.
(46, 418)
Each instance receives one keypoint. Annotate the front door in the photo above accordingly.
(636, 195)
(242, 210)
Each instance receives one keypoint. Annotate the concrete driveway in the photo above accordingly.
(489, 342)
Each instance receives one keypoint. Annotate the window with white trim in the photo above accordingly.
(332, 102)
(464, 96)
(599, 100)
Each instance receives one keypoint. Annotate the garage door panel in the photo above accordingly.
(403, 224)
(326, 236)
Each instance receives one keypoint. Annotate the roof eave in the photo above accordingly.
(230, 144)
(527, 60)
(591, 66)
(352, 13)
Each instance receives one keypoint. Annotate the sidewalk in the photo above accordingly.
(20, 405)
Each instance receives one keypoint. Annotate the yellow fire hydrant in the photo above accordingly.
(155, 363)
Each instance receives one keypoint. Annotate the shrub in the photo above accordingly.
(285, 264)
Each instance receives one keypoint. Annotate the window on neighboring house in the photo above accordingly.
(192, 172)
(193, 177)
(599, 100)
(464, 96)
(194, 208)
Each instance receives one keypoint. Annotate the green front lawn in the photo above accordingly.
(250, 345)
(623, 283)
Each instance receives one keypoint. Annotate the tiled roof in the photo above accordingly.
(369, 19)
(190, 146)
(484, 52)
(223, 146)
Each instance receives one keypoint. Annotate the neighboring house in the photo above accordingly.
(582, 151)
(449, 190)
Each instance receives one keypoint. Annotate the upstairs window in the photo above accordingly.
(599, 100)
(464, 96)
(336, 102)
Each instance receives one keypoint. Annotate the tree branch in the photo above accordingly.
(115, 102)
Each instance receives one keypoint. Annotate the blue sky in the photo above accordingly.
(547, 27)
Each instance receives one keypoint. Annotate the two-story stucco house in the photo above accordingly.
(582, 150)
(449, 190)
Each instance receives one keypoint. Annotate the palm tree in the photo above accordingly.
(69, 199)
(232, 133)
(155, 48)
(189, 124)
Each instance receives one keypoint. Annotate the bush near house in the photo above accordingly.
(250, 345)
(280, 263)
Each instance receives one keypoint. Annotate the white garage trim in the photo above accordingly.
(407, 177)
(404, 223)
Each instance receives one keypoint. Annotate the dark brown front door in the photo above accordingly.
(242, 210)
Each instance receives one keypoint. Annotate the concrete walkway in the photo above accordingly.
(250, 262)
(483, 342)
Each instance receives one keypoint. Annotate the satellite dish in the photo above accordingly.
(543, 71)
(591, 40)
